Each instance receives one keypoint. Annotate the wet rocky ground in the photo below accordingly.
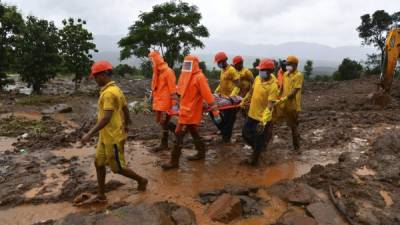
(346, 173)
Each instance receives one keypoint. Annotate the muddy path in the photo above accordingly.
(42, 173)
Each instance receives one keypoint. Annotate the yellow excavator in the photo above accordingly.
(391, 55)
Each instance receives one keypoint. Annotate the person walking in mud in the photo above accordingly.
(290, 97)
(228, 86)
(112, 124)
(163, 88)
(193, 89)
(257, 130)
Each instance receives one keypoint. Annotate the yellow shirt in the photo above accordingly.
(112, 98)
(262, 93)
(228, 78)
(290, 82)
(246, 80)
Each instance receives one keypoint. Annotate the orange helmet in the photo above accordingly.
(220, 56)
(266, 64)
(237, 59)
(98, 67)
(292, 59)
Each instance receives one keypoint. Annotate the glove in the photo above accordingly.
(267, 116)
(217, 117)
(260, 128)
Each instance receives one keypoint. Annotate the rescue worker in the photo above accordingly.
(193, 90)
(112, 124)
(228, 86)
(246, 76)
(281, 71)
(291, 97)
(163, 87)
(257, 130)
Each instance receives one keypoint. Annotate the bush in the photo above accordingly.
(348, 70)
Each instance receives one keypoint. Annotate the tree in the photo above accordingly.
(374, 27)
(203, 66)
(146, 68)
(123, 69)
(173, 28)
(76, 46)
(37, 52)
(348, 70)
(308, 68)
(373, 64)
(11, 26)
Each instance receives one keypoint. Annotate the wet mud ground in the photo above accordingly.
(347, 145)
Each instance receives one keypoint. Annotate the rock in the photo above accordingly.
(225, 209)
(209, 196)
(295, 217)
(324, 213)
(296, 193)
(250, 206)
(59, 108)
(160, 213)
(366, 216)
(302, 194)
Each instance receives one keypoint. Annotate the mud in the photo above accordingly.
(347, 144)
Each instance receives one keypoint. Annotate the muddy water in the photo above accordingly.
(29, 115)
(6, 144)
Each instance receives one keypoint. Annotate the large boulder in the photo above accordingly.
(225, 209)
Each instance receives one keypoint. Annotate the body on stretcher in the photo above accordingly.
(221, 102)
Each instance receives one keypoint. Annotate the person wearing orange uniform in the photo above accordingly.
(163, 87)
(193, 89)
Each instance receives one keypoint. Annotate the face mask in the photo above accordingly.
(263, 74)
(289, 68)
(220, 65)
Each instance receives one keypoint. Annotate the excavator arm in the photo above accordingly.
(391, 55)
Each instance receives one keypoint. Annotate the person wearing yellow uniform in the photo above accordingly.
(228, 86)
(291, 98)
(246, 76)
(112, 123)
(257, 130)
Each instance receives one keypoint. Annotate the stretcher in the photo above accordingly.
(221, 102)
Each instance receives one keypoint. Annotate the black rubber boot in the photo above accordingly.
(296, 139)
(164, 142)
(255, 156)
(201, 150)
(174, 161)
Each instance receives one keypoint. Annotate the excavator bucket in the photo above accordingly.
(380, 98)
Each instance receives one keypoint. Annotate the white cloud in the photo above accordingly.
(331, 22)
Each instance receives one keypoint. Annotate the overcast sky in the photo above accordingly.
(330, 22)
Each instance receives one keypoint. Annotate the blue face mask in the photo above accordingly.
(220, 65)
(264, 74)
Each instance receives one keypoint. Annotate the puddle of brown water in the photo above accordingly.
(63, 118)
(75, 150)
(364, 171)
(29, 214)
(180, 186)
(52, 184)
(31, 115)
(6, 143)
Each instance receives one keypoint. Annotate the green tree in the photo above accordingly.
(373, 28)
(37, 52)
(76, 44)
(11, 26)
(173, 28)
(124, 69)
(308, 68)
(146, 68)
(373, 64)
(203, 66)
(348, 70)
